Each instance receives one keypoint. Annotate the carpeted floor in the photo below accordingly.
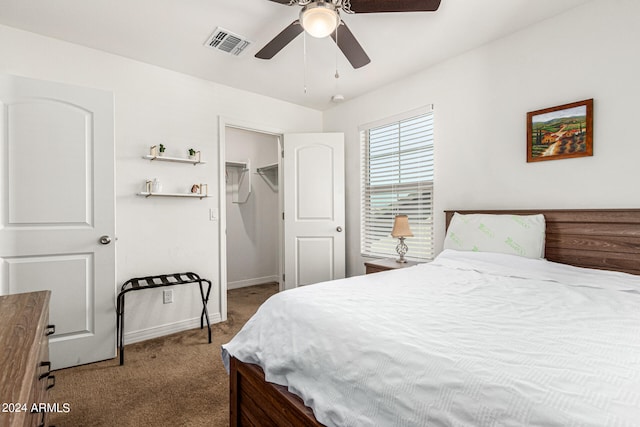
(176, 380)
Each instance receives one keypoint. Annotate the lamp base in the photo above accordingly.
(401, 249)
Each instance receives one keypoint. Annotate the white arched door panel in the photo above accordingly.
(314, 235)
(57, 195)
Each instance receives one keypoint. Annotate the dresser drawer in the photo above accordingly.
(24, 347)
(44, 379)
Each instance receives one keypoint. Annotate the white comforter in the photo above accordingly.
(467, 340)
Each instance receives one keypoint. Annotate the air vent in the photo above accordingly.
(227, 42)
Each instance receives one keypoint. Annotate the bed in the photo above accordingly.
(491, 393)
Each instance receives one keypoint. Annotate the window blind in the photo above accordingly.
(397, 179)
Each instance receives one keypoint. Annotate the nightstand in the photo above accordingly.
(385, 264)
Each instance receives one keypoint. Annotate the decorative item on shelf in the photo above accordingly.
(153, 150)
(204, 189)
(401, 230)
(192, 154)
(148, 186)
(195, 188)
(156, 187)
(162, 149)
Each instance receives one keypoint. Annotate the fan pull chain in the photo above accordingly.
(304, 60)
(337, 75)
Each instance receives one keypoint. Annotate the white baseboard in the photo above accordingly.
(168, 328)
(251, 282)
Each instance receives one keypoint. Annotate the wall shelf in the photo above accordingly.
(202, 188)
(188, 195)
(173, 159)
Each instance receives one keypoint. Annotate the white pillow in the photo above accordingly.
(508, 234)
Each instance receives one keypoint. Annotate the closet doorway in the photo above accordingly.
(252, 208)
(309, 214)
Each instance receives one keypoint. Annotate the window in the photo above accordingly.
(397, 179)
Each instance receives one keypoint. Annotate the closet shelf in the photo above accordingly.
(189, 195)
(173, 159)
(267, 168)
(239, 165)
(270, 175)
(240, 180)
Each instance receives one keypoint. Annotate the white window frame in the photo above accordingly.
(375, 228)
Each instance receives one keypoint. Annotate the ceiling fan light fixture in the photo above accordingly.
(319, 19)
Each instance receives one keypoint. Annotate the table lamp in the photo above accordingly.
(401, 230)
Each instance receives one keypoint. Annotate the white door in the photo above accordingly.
(57, 195)
(314, 208)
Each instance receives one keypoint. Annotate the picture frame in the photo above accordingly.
(560, 132)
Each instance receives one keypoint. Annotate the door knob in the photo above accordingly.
(339, 229)
(105, 240)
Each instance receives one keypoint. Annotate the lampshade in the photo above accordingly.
(401, 227)
(319, 19)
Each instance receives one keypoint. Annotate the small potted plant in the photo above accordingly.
(162, 148)
(192, 154)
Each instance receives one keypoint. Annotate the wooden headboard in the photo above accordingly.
(606, 239)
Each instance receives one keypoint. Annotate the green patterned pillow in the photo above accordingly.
(509, 234)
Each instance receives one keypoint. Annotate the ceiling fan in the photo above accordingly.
(321, 18)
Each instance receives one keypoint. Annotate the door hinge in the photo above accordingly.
(282, 154)
(283, 278)
(283, 216)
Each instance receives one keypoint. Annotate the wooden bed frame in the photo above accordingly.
(606, 239)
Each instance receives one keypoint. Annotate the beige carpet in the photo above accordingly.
(176, 380)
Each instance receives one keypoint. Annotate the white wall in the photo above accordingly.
(481, 99)
(252, 227)
(155, 105)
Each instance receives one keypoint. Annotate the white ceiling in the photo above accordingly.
(171, 34)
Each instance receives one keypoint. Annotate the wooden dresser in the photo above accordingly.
(25, 370)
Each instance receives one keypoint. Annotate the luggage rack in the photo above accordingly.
(150, 282)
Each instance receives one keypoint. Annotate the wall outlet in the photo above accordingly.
(167, 296)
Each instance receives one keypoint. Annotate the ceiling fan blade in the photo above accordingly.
(349, 46)
(373, 6)
(280, 41)
(282, 1)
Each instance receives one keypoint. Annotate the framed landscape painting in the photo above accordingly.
(560, 132)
